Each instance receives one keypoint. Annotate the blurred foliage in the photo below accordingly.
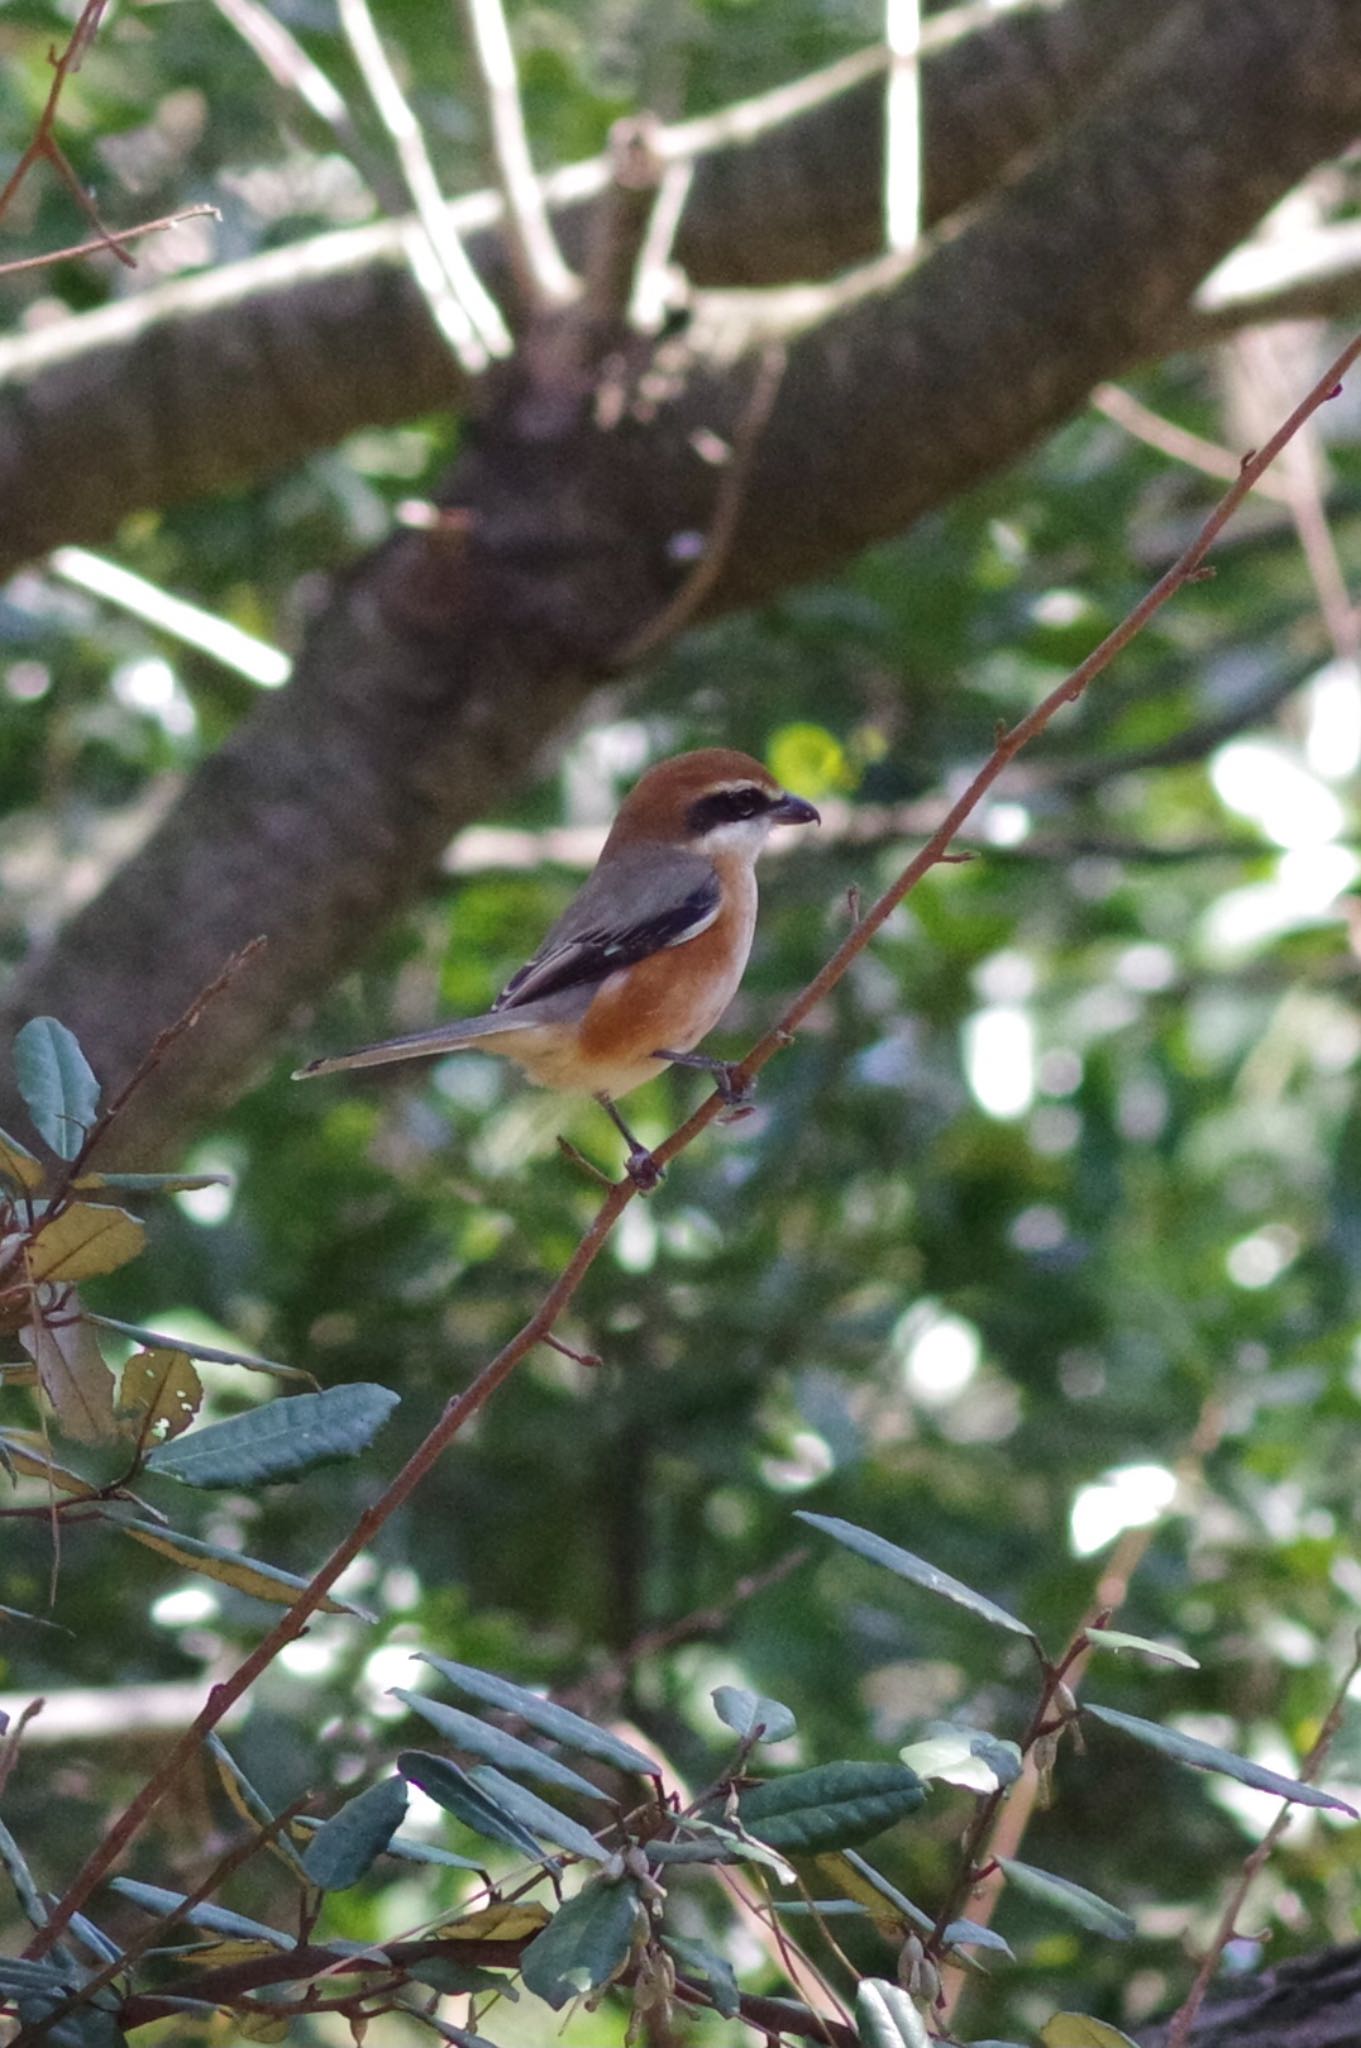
(1064, 1177)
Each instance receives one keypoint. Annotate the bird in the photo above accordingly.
(648, 954)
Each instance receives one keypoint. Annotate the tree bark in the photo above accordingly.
(442, 663)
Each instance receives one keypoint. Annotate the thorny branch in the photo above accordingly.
(464, 1406)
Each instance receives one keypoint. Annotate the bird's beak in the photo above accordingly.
(795, 810)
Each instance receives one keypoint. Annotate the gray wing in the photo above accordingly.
(644, 899)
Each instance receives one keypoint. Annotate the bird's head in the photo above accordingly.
(713, 801)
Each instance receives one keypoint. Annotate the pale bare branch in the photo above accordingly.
(903, 125)
(542, 277)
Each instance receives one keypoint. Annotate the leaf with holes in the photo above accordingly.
(160, 1388)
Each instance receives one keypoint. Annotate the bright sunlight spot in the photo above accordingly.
(940, 1352)
(1264, 782)
(999, 1060)
(1331, 702)
(1258, 1260)
(185, 1608)
(1130, 1497)
(151, 685)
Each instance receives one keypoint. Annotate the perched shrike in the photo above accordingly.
(648, 954)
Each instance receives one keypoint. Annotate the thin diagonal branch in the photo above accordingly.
(467, 315)
(541, 276)
(463, 1407)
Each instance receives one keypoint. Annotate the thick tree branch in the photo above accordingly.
(445, 661)
(216, 380)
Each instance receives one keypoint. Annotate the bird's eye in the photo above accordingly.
(727, 807)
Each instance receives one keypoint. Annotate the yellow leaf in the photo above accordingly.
(216, 1955)
(854, 1884)
(73, 1373)
(87, 1238)
(508, 1922)
(18, 1166)
(237, 1572)
(1075, 2030)
(257, 2025)
(160, 1386)
(34, 1465)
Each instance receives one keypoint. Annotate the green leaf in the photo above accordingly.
(1075, 2030)
(253, 1809)
(170, 1906)
(1206, 1756)
(533, 1812)
(340, 1852)
(542, 1715)
(1074, 1901)
(277, 1441)
(915, 1569)
(885, 2016)
(831, 1806)
(964, 1756)
(704, 1842)
(21, 1877)
(228, 1567)
(969, 1934)
(1159, 1653)
(747, 1712)
(451, 1787)
(466, 1732)
(714, 1972)
(585, 1942)
(54, 1078)
(87, 2026)
(450, 1974)
(890, 1909)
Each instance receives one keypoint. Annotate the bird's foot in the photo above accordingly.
(736, 1088)
(640, 1166)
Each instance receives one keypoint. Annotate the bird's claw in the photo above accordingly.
(643, 1170)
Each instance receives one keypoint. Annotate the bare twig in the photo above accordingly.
(677, 614)
(462, 1407)
(108, 239)
(1179, 2033)
(620, 243)
(45, 144)
(1125, 410)
(467, 314)
(903, 125)
(289, 65)
(541, 276)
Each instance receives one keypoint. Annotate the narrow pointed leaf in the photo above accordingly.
(1157, 1653)
(86, 2026)
(405, 1851)
(153, 1183)
(714, 1972)
(1073, 1901)
(542, 1715)
(705, 1843)
(278, 1441)
(229, 1567)
(1076, 2030)
(18, 1165)
(507, 1920)
(585, 1942)
(166, 1905)
(964, 1756)
(211, 1354)
(36, 1464)
(745, 1712)
(466, 1732)
(905, 1566)
(252, 1807)
(84, 1241)
(536, 1814)
(21, 1877)
(891, 1910)
(160, 1388)
(831, 1806)
(969, 1934)
(55, 1080)
(74, 1376)
(1206, 1756)
(455, 1977)
(340, 1852)
(885, 2016)
(451, 1787)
